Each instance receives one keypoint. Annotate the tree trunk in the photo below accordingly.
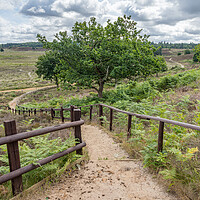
(100, 91)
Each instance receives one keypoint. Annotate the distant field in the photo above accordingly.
(17, 70)
(175, 61)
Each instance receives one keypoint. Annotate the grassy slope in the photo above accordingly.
(182, 105)
(17, 69)
(180, 162)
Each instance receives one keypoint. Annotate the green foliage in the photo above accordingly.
(174, 81)
(187, 51)
(47, 66)
(196, 57)
(97, 54)
(37, 148)
(179, 53)
(179, 161)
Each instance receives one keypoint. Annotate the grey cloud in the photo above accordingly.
(83, 8)
(181, 10)
(170, 17)
(135, 13)
(192, 31)
(190, 6)
(143, 3)
(40, 9)
(182, 37)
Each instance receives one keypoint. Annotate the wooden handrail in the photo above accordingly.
(25, 135)
(147, 117)
(140, 116)
(44, 161)
(185, 125)
(12, 138)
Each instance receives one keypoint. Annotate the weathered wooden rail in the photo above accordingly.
(12, 138)
(161, 121)
(100, 106)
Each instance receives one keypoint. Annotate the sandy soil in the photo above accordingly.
(16, 100)
(109, 175)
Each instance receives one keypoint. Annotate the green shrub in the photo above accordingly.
(187, 51)
(195, 57)
(167, 82)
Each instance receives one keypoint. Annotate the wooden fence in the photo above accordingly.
(12, 138)
(161, 121)
(100, 114)
(52, 111)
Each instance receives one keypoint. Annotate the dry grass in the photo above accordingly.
(17, 70)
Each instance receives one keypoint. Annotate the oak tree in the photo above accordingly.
(95, 54)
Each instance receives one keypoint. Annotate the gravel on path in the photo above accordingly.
(108, 175)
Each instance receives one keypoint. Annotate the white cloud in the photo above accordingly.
(85, 8)
(36, 10)
(166, 20)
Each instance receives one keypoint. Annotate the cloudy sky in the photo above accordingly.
(163, 20)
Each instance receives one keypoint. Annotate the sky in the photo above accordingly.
(173, 21)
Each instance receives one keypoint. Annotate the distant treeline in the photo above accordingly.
(160, 44)
(26, 44)
(174, 45)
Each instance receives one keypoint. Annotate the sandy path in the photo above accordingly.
(25, 89)
(181, 65)
(109, 175)
(16, 100)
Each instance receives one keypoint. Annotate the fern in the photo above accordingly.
(40, 148)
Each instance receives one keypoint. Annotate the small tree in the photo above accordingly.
(47, 66)
(196, 57)
(95, 55)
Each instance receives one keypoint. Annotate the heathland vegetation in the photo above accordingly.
(170, 92)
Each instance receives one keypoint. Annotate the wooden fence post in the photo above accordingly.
(72, 113)
(52, 114)
(129, 126)
(101, 114)
(160, 136)
(41, 114)
(61, 114)
(77, 129)
(13, 156)
(111, 118)
(91, 107)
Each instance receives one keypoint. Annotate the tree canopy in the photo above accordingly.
(95, 54)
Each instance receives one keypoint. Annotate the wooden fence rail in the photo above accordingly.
(12, 138)
(161, 121)
(52, 111)
(146, 117)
